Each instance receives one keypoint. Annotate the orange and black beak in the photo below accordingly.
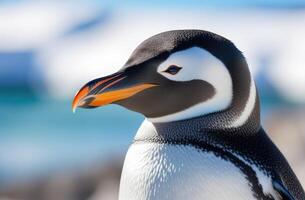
(107, 90)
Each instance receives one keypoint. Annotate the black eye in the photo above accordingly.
(173, 69)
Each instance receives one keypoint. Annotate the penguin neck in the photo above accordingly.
(242, 117)
(207, 128)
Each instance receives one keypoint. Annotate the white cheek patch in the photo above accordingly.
(199, 64)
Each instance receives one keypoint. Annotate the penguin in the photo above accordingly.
(202, 136)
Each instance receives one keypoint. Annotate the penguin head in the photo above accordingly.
(172, 76)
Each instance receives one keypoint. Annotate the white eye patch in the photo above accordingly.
(198, 64)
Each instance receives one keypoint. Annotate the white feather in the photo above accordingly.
(248, 108)
(263, 179)
(163, 171)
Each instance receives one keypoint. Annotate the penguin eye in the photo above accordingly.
(173, 69)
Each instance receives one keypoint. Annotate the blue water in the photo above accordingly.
(41, 135)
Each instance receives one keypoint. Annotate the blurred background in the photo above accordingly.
(49, 49)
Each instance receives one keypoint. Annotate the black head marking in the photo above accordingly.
(162, 45)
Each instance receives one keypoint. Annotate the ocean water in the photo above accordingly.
(41, 135)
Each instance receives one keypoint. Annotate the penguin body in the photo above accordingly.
(158, 170)
(166, 171)
(202, 137)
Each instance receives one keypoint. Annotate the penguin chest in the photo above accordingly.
(165, 171)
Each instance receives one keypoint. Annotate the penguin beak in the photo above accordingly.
(107, 90)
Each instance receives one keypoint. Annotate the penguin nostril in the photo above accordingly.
(173, 69)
